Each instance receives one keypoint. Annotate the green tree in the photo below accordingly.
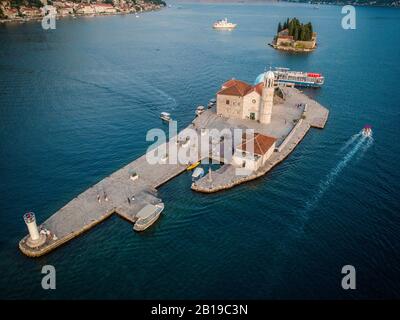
(279, 27)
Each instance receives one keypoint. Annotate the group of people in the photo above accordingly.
(104, 197)
(299, 105)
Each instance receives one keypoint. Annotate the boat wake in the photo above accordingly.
(349, 142)
(359, 145)
(365, 147)
(168, 98)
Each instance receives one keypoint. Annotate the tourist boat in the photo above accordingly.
(298, 78)
(165, 116)
(192, 166)
(200, 110)
(224, 24)
(197, 174)
(147, 216)
(367, 131)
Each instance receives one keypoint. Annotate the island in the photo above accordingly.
(26, 10)
(248, 130)
(295, 36)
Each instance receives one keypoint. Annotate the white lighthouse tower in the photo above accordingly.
(35, 239)
(267, 98)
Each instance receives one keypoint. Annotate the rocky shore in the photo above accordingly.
(28, 10)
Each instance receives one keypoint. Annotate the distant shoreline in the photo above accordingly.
(38, 16)
(394, 4)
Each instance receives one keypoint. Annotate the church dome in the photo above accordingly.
(261, 76)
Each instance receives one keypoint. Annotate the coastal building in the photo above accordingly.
(104, 8)
(65, 11)
(11, 13)
(85, 9)
(283, 38)
(238, 100)
(254, 151)
(30, 12)
(285, 41)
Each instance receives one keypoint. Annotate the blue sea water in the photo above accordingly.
(76, 103)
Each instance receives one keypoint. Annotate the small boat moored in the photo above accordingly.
(200, 110)
(197, 174)
(211, 103)
(165, 116)
(367, 131)
(147, 216)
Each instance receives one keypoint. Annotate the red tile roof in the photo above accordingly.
(261, 144)
(258, 88)
(238, 88)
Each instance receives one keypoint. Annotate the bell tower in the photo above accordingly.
(267, 98)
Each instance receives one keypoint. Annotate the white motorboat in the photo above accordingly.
(165, 116)
(211, 103)
(367, 131)
(197, 173)
(200, 110)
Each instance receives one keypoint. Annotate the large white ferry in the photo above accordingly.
(298, 78)
(224, 24)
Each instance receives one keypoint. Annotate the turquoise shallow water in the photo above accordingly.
(76, 103)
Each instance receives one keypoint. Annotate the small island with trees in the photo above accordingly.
(295, 36)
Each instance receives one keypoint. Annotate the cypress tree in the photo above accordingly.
(279, 27)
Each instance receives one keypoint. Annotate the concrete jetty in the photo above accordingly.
(110, 196)
(105, 198)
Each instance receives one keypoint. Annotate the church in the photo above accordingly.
(238, 100)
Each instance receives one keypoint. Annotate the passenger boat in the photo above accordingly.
(298, 78)
(147, 216)
(165, 116)
(286, 76)
(367, 131)
(200, 110)
(192, 166)
(224, 25)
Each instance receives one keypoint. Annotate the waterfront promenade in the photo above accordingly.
(122, 195)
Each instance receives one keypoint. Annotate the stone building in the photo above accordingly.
(238, 100)
(283, 39)
(253, 152)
